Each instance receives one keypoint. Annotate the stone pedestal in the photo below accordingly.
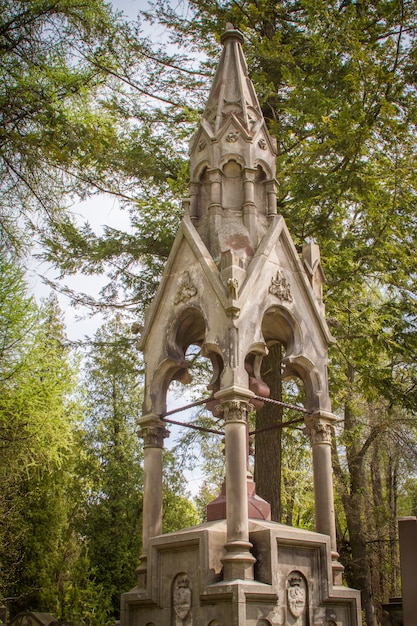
(292, 586)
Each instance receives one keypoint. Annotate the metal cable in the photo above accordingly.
(294, 407)
(195, 427)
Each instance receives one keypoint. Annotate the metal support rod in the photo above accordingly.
(294, 407)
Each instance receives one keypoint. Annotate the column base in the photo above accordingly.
(142, 571)
(258, 508)
(238, 562)
(337, 569)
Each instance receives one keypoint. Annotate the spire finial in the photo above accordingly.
(231, 33)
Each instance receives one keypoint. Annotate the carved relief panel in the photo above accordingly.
(181, 600)
(297, 600)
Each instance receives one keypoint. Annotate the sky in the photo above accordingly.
(99, 211)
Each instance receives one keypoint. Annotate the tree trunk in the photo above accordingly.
(355, 509)
(268, 443)
(377, 525)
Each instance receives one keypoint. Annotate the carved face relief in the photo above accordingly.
(181, 596)
(296, 595)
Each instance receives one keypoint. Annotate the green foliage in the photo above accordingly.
(112, 464)
(86, 602)
(36, 419)
(337, 86)
(178, 510)
(53, 126)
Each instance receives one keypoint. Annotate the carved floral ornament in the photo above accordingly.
(153, 436)
(186, 290)
(321, 432)
(235, 410)
(280, 287)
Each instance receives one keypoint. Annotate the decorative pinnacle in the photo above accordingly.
(231, 32)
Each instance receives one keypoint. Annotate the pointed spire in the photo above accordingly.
(232, 199)
(232, 92)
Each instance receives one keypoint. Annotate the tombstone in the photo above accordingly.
(233, 285)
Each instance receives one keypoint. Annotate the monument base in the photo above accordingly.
(292, 587)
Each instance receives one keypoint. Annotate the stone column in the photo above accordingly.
(215, 177)
(153, 432)
(249, 174)
(271, 193)
(249, 208)
(320, 426)
(215, 211)
(193, 201)
(238, 561)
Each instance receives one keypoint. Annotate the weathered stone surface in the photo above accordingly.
(233, 285)
(293, 581)
(407, 527)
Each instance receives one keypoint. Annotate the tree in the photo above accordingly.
(112, 464)
(337, 85)
(112, 526)
(50, 116)
(37, 416)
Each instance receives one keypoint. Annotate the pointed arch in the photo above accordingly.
(186, 328)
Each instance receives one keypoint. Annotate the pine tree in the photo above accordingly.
(37, 418)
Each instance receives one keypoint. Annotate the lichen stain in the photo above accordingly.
(240, 242)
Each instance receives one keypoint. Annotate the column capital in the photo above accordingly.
(153, 433)
(320, 427)
(235, 410)
(249, 173)
(194, 187)
(320, 432)
(215, 174)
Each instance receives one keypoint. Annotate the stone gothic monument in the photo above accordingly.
(234, 284)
